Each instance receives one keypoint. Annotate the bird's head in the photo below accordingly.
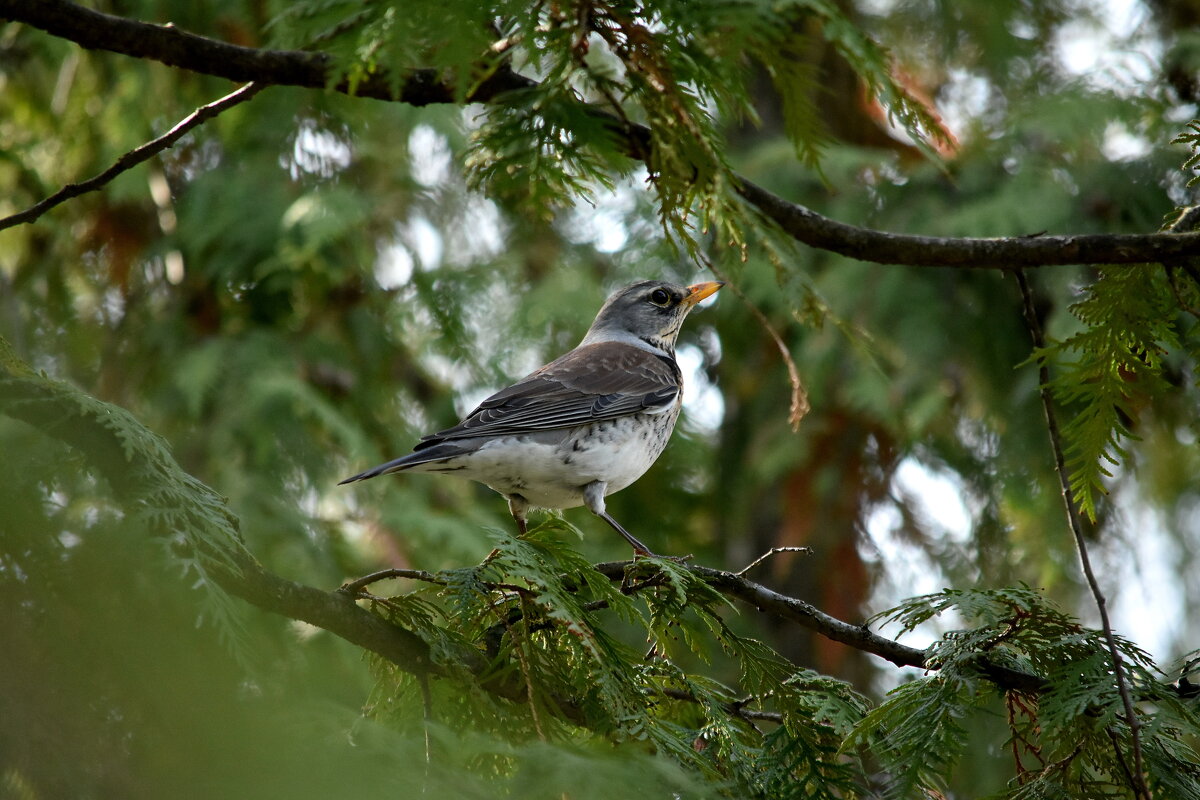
(649, 311)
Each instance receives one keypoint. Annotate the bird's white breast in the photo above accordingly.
(550, 468)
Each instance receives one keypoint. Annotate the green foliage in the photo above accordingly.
(561, 639)
(1191, 138)
(541, 149)
(1116, 368)
(681, 70)
(1119, 365)
(295, 292)
(919, 731)
(370, 38)
(191, 520)
(1071, 739)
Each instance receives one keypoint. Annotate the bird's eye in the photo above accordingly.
(659, 297)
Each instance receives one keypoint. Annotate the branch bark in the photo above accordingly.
(174, 47)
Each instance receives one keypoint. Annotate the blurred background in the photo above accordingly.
(306, 285)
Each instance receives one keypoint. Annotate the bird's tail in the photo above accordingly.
(428, 457)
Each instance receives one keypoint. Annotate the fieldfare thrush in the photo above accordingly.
(587, 424)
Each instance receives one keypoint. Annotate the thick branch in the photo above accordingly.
(172, 46)
(331, 611)
(865, 244)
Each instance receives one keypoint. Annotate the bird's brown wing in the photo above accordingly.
(597, 382)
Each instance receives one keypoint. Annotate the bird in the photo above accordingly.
(586, 425)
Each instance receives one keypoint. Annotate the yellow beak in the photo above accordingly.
(699, 291)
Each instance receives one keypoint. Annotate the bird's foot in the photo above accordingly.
(648, 554)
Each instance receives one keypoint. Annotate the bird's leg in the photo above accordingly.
(593, 498)
(517, 506)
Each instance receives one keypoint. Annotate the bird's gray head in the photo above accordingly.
(648, 313)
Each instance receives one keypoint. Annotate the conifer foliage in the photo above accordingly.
(194, 350)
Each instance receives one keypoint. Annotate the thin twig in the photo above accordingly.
(799, 406)
(135, 156)
(527, 672)
(1178, 292)
(1064, 762)
(1138, 783)
(358, 584)
(773, 551)
(1015, 739)
(426, 721)
(1116, 743)
(735, 708)
(1013, 706)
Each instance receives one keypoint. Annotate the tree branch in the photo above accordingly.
(737, 709)
(355, 587)
(859, 637)
(135, 156)
(94, 30)
(174, 47)
(809, 227)
(331, 611)
(1138, 783)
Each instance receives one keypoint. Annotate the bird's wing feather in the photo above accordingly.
(593, 383)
